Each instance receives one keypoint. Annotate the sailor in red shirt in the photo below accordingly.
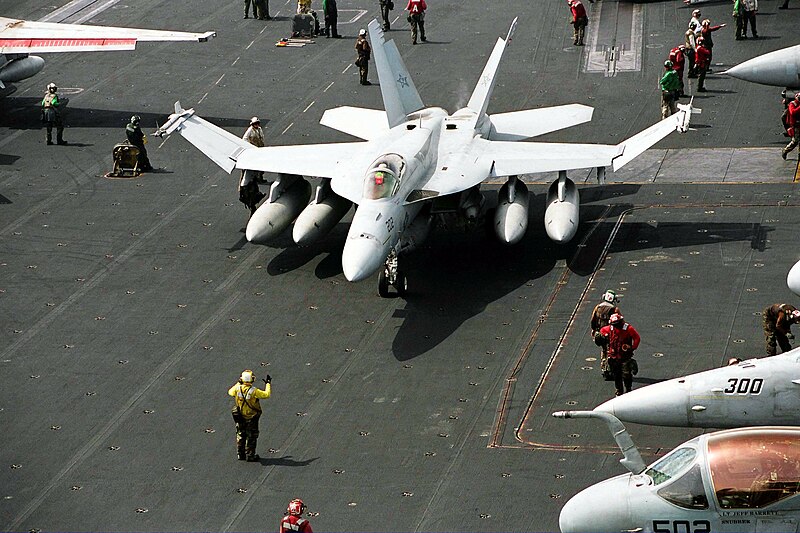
(579, 21)
(705, 31)
(416, 17)
(622, 340)
(292, 521)
(678, 57)
(793, 120)
(702, 60)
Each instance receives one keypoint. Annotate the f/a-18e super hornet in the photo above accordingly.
(736, 480)
(412, 158)
(750, 393)
(21, 38)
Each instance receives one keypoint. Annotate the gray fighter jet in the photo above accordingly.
(780, 68)
(737, 480)
(751, 393)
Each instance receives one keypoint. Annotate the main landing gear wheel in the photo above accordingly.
(401, 284)
(383, 284)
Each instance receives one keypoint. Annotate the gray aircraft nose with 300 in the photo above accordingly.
(754, 392)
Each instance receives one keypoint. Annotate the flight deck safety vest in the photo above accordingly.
(294, 523)
(246, 404)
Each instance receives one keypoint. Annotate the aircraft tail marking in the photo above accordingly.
(400, 96)
(479, 100)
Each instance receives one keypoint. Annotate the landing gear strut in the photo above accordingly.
(392, 276)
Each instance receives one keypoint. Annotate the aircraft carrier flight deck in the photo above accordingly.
(128, 307)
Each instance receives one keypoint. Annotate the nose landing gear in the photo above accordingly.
(392, 276)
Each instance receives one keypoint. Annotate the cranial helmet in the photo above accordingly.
(247, 376)
(696, 13)
(616, 318)
(254, 120)
(362, 31)
(52, 87)
(610, 297)
(668, 63)
(797, 96)
(135, 119)
(706, 22)
(796, 315)
(296, 507)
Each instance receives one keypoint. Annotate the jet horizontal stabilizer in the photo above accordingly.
(359, 122)
(519, 125)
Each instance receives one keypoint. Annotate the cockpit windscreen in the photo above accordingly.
(383, 178)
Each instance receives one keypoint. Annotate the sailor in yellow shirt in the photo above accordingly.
(246, 412)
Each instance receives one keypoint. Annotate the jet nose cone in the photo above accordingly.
(793, 279)
(775, 68)
(592, 509)
(361, 257)
(660, 404)
(746, 71)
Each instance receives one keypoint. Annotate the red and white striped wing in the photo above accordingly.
(26, 37)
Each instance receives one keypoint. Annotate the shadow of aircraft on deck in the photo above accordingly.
(455, 275)
(23, 113)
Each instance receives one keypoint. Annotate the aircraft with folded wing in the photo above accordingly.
(413, 163)
(19, 39)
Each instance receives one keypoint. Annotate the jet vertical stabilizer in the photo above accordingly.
(400, 96)
(479, 100)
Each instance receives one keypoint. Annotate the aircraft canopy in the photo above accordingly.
(383, 178)
(754, 469)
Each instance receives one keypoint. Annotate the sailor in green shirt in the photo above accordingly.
(670, 85)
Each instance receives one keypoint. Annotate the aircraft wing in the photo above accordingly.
(26, 37)
(338, 161)
(525, 158)
(221, 146)
(513, 159)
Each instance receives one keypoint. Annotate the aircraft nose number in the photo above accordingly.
(744, 386)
